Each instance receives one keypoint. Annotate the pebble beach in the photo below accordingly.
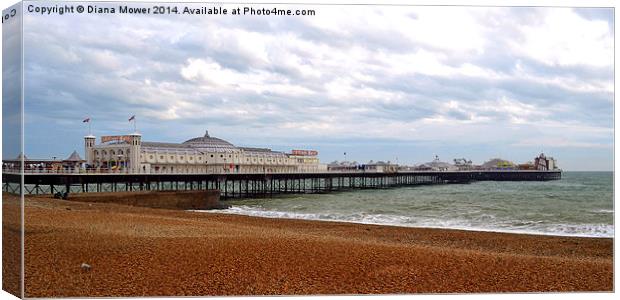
(132, 251)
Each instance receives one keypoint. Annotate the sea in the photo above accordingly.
(580, 204)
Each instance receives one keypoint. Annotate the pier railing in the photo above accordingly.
(128, 172)
(239, 185)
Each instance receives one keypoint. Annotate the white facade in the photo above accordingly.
(307, 163)
(552, 164)
(202, 155)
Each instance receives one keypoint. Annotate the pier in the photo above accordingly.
(253, 185)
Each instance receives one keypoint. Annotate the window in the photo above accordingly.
(171, 157)
(150, 156)
(221, 156)
(211, 155)
(181, 157)
(161, 157)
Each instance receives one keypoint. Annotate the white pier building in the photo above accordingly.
(200, 155)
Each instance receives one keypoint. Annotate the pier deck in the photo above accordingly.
(237, 185)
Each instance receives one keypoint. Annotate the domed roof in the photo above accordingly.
(210, 143)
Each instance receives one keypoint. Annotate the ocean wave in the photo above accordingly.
(485, 223)
(603, 211)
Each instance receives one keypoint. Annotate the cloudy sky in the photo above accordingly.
(383, 83)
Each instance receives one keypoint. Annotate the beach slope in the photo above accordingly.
(135, 251)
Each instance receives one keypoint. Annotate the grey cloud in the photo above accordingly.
(62, 63)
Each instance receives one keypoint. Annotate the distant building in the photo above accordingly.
(380, 167)
(423, 167)
(463, 164)
(343, 166)
(436, 165)
(371, 166)
(73, 163)
(404, 168)
(34, 165)
(544, 163)
(307, 160)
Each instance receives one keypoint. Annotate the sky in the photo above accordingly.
(398, 83)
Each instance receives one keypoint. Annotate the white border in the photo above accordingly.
(560, 3)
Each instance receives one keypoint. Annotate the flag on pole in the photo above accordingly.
(132, 118)
(87, 120)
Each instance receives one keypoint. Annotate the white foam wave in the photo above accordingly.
(603, 211)
(486, 223)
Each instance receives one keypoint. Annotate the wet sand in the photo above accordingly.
(154, 252)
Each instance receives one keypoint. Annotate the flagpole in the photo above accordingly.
(135, 128)
(89, 131)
